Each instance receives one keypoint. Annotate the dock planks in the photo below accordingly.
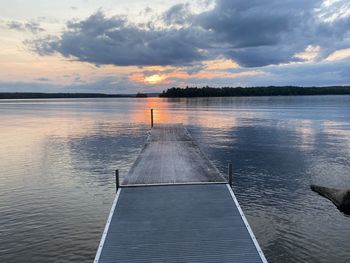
(182, 209)
(170, 156)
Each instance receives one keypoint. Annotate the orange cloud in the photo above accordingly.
(339, 54)
(167, 78)
(154, 79)
(220, 64)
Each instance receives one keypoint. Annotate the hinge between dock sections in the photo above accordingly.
(170, 184)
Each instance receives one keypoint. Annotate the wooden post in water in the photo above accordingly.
(116, 180)
(151, 118)
(230, 173)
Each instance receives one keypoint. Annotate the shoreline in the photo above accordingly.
(40, 95)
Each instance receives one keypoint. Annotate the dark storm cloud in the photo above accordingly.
(262, 56)
(177, 15)
(103, 40)
(253, 33)
(249, 23)
(31, 26)
(260, 32)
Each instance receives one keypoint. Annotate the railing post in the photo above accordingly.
(230, 173)
(116, 180)
(151, 118)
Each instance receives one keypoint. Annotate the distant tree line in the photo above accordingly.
(253, 91)
(36, 95)
(141, 95)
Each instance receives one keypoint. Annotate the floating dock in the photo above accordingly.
(175, 206)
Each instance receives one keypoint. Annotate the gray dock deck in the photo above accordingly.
(176, 208)
(171, 156)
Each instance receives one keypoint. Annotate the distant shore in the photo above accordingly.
(253, 91)
(39, 95)
(191, 92)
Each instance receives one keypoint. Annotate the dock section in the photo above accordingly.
(170, 156)
(174, 206)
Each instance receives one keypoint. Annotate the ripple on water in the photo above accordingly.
(58, 159)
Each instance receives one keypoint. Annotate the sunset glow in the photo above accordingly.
(154, 79)
(150, 46)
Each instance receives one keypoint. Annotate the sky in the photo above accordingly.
(111, 46)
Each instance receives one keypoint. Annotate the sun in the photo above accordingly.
(154, 79)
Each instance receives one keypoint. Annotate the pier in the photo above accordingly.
(175, 206)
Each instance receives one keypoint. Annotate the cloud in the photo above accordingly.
(339, 54)
(108, 85)
(42, 79)
(265, 32)
(33, 27)
(116, 41)
(324, 73)
(298, 74)
(30, 87)
(306, 74)
(253, 33)
(303, 74)
(177, 15)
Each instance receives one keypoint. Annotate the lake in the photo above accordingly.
(58, 156)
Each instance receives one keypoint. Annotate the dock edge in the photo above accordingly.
(105, 231)
(257, 246)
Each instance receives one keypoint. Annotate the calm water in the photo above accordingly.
(57, 159)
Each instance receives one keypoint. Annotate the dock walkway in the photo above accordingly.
(174, 206)
(171, 156)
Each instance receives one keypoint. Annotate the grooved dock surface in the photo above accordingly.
(170, 156)
(175, 221)
(187, 223)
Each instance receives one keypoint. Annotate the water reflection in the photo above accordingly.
(100, 154)
(58, 157)
(56, 181)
